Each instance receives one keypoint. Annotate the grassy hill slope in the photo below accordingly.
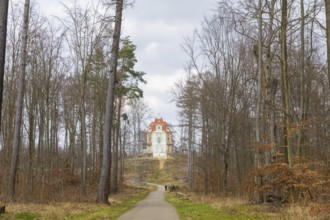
(170, 171)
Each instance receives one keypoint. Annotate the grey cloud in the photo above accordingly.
(157, 27)
(171, 10)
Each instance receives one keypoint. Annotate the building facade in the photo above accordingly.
(159, 138)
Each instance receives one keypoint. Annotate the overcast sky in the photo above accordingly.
(157, 28)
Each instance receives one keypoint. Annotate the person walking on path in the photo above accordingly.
(152, 207)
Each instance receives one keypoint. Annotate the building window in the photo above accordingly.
(159, 140)
(159, 128)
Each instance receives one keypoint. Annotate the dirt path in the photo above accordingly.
(161, 163)
(152, 207)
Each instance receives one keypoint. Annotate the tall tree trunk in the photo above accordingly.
(285, 82)
(93, 142)
(31, 139)
(3, 36)
(83, 129)
(104, 182)
(259, 62)
(204, 148)
(271, 83)
(302, 78)
(19, 105)
(84, 144)
(116, 148)
(122, 150)
(190, 151)
(41, 134)
(327, 14)
(258, 180)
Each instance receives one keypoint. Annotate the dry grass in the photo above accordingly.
(161, 163)
(227, 202)
(234, 205)
(119, 203)
(296, 212)
(171, 171)
(69, 203)
(299, 211)
(320, 210)
(174, 171)
(140, 168)
(52, 210)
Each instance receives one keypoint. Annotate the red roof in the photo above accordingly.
(158, 121)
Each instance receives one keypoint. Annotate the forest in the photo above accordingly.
(255, 101)
(253, 104)
(54, 101)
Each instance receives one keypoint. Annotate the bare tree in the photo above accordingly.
(104, 182)
(259, 94)
(327, 14)
(302, 107)
(285, 82)
(3, 36)
(19, 104)
(185, 98)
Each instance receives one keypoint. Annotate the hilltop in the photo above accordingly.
(144, 168)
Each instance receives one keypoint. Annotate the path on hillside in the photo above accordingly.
(161, 163)
(152, 207)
